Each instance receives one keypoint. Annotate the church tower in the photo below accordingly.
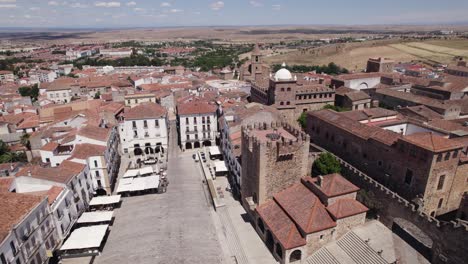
(257, 62)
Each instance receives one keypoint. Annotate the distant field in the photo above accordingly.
(355, 57)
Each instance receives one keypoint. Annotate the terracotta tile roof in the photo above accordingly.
(281, 226)
(30, 122)
(145, 111)
(333, 185)
(15, 207)
(5, 183)
(360, 115)
(94, 132)
(352, 126)
(304, 208)
(61, 174)
(432, 142)
(196, 107)
(53, 193)
(346, 207)
(83, 151)
(51, 146)
(353, 76)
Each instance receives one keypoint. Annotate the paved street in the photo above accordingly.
(181, 226)
(175, 227)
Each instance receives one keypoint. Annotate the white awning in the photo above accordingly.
(214, 150)
(86, 237)
(103, 200)
(220, 166)
(95, 217)
(138, 184)
(146, 171)
(131, 173)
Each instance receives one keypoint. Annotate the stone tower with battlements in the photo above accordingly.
(274, 156)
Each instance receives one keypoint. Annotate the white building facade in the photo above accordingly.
(198, 124)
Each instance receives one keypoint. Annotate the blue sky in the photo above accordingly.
(155, 13)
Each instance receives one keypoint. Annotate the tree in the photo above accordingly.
(97, 95)
(303, 120)
(32, 92)
(334, 108)
(326, 164)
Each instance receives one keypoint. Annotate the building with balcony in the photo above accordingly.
(143, 131)
(197, 123)
(27, 230)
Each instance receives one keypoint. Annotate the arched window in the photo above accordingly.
(281, 103)
(282, 89)
(289, 89)
(288, 103)
(295, 256)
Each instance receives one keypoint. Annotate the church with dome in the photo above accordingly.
(289, 94)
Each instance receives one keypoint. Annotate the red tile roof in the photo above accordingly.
(84, 151)
(333, 185)
(281, 226)
(145, 111)
(196, 107)
(304, 208)
(346, 207)
(5, 183)
(15, 207)
(61, 174)
(51, 146)
(94, 132)
(432, 142)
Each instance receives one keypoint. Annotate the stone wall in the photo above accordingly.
(270, 167)
(344, 225)
(449, 238)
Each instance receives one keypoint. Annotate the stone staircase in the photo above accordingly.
(358, 250)
(350, 249)
(231, 236)
(322, 256)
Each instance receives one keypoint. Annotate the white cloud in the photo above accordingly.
(78, 5)
(7, 5)
(256, 3)
(53, 3)
(132, 3)
(217, 5)
(138, 9)
(276, 7)
(107, 4)
(165, 4)
(176, 11)
(34, 8)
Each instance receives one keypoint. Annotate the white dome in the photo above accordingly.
(283, 75)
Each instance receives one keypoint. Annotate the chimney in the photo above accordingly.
(320, 180)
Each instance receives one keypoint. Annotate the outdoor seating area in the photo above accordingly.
(90, 232)
(140, 181)
(85, 241)
(108, 203)
(96, 218)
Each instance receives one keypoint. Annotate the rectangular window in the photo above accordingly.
(97, 174)
(3, 259)
(408, 176)
(187, 120)
(134, 124)
(99, 183)
(188, 137)
(156, 123)
(13, 247)
(95, 164)
(145, 124)
(440, 203)
(440, 185)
